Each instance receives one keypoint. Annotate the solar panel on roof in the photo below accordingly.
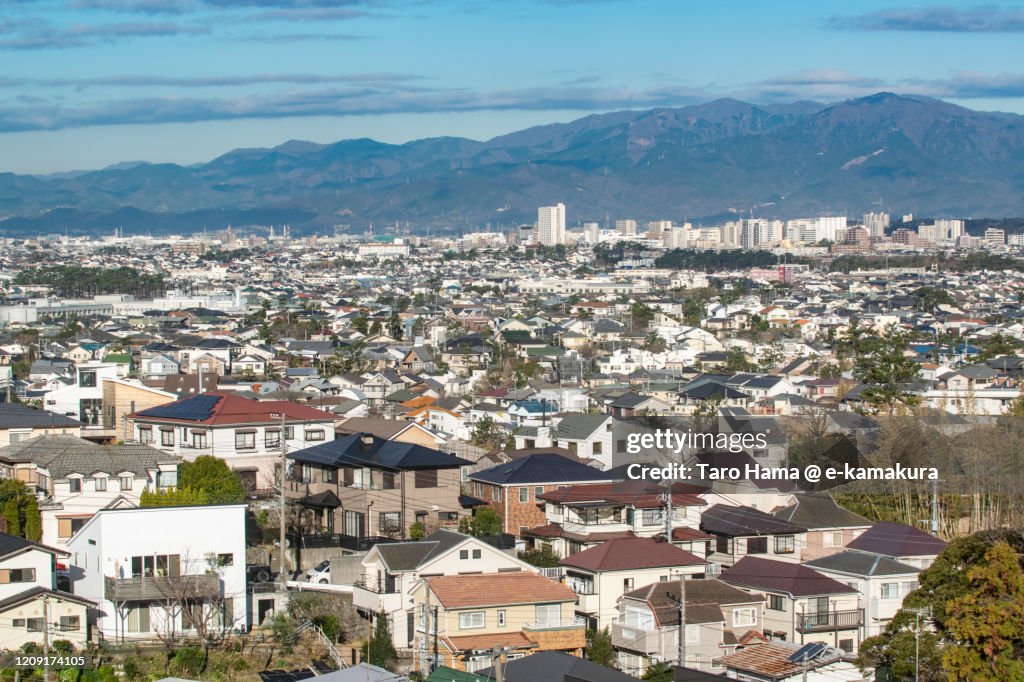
(808, 652)
(193, 409)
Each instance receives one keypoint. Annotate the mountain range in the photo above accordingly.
(700, 163)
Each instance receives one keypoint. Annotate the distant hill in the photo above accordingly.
(718, 158)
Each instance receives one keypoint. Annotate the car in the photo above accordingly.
(321, 573)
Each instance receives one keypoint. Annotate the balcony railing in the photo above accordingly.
(146, 588)
(554, 624)
(832, 620)
(383, 585)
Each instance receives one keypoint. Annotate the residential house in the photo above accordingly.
(801, 605)
(381, 487)
(883, 583)
(20, 422)
(31, 606)
(399, 430)
(786, 662)
(518, 611)
(588, 436)
(743, 531)
(245, 433)
(512, 489)
(390, 572)
(903, 543)
(153, 575)
(829, 527)
(158, 366)
(601, 575)
(83, 400)
(75, 478)
(718, 617)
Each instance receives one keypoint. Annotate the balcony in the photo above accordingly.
(147, 588)
(637, 639)
(372, 595)
(577, 622)
(827, 622)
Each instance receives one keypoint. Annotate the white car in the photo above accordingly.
(321, 573)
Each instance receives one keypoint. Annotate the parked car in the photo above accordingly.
(321, 573)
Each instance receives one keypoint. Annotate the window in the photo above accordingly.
(315, 434)
(327, 475)
(167, 437)
(471, 620)
(548, 615)
(723, 545)
(890, 590)
(245, 440)
(100, 483)
(846, 645)
(272, 439)
(757, 545)
(478, 662)
(69, 623)
(87, 379)
(426, 478)
(477, 554)
(907, 586)
(620, 445)
(225, 559)
(524, 495)
(162, 565)
(653, 517)
(18, 622)
(501, 618)
(75, 484)
(744, 617)
(538, 491)
(69, 526)
(785, 544)
(17, 575)
(463, 554)
(199, 439)
(146, 435)
(627, 584)
(596, 448)
(138, 619)
(776, 602)
(127, 482)
(833, 538)
(390, 522)
(289, 432)
(35, 624)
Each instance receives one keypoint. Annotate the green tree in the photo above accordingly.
(379, 649)
(737, 361)
(220, 484)
(417, 531)
(542, 557)
(659, 672)
(883, 366)
(640, 316)
(395, 327)
(653, 342)
(930, 298)
(600, 649)
(12, 515)
(488, 433)
(987, 623)
(361, 324)
(485, 522)
(33, 522)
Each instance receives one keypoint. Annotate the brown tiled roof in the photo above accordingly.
(687, 534)
(626, 554)
(782, 576)
(497, 589)
(769, 660)
(638, 494)
(487, 642)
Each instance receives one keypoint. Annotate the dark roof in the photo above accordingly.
(896, 540)
(862, 564)
(742, 521)
(625, 554)
(704, 599)
(819, 510)
(781, 576)
(359, 449)
(9, 544)
(62, 455)
(14, 416)
(36, 591)
(542, 468)
(406, 556)
(556, 666)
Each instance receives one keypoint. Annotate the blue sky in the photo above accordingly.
(87, 83)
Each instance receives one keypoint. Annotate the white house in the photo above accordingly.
(152, 574)
(29, 601)
(83, 400)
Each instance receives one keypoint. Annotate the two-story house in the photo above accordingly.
(718, 617)
(801, 605)
(390, 572)
(883, 583)
(905, 544)
(829, 527)
(744, 531)
(31, 606)
(153, 575)
(602, 574)
(512, 489)
(75, 478)
(245, 433)
(588, 436)
(83, 400)
(472, 614)
(581, 516)
(362, 486)
(20, 422)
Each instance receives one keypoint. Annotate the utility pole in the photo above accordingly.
(925, 611)
(935, 507)
(46, 638)
(434, 667)
(283, 576)
(669, 519)
(497, 654)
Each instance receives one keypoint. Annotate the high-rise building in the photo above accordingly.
(826, 227)
(657, 228)
(627, 228)
(949, 230)
(551, 225)
(994, 235)
(591, 233)
(876, 223)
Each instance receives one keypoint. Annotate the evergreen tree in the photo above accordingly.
(380, 649)
(218, 482)
(12, 515)
(33, 522)
(600, 649)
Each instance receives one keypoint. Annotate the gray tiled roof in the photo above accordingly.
(63, 455)
(861, 564)
(14, 416)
